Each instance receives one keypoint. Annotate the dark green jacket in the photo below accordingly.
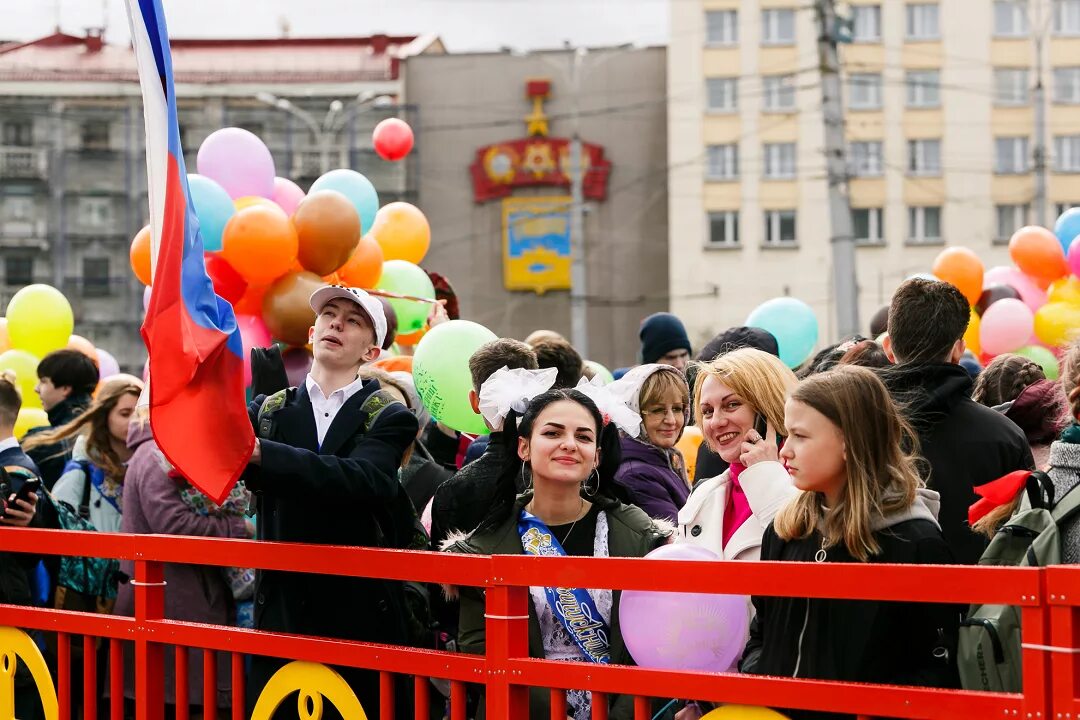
(631, 533)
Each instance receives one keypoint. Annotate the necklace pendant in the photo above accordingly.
(820, 555)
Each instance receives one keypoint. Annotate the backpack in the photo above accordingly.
(989, 651)
(415, 537)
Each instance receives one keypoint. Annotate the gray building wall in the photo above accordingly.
(468, 101)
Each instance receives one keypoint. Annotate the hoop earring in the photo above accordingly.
(596, 485)
(526, 486)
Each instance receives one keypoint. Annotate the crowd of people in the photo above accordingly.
(869, 453)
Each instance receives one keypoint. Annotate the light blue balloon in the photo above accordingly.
(357, 188)
(1067, 227)
(213, 207)
(794, 325)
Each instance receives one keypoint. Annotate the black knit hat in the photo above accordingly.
(660, 334)
(737, 338)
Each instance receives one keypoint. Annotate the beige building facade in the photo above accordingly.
(941, 126)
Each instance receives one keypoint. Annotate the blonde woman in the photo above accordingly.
(860, 500)
(739, 405)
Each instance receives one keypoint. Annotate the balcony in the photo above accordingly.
(23, 163)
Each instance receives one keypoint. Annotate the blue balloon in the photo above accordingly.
(794, 325)
(357, 188)
(1067, 227)
(213, 207)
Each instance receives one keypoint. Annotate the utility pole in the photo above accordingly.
(842, 238)
(579, 309)
(1039, 154)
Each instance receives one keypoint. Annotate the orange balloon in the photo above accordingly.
(411, 338)
(251, 302)
(962, 268)
(396, 363)
(332, 278)
(328, 228)
(364, 268)
(402, 231)
(5, 342)
(140, 255)
(1037, 252)
(286, 309)
(78, 342)
(260, 243)
(252, 200)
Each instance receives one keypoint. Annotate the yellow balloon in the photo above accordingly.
(1064, 290)
(971, 336)
(30, 417)
(24, 365)
(39, 320)
(744, 712)
(688, 445)
(1057, 323)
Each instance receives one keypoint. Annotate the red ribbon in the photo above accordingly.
(996, 493)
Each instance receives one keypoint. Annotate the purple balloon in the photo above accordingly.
(297, 365)
(107, 364)
(238, 161)
(146, 298)
(684, 631)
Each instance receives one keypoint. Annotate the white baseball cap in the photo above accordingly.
(370, 305)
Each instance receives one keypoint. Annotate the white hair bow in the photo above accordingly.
(508, 390)
(610, 406)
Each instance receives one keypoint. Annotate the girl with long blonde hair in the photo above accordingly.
(850, 454)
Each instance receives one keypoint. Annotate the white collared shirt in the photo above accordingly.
(11, 442)
(326, 408)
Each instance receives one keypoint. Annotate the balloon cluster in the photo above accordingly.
(38, 321)
(1031, 308)
(268, 244)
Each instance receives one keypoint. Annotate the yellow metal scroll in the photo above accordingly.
(315, 683)
(16, 645)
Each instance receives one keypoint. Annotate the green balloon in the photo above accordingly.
(441, 373)
(602, 371)
(1042, 356)
(404, 278)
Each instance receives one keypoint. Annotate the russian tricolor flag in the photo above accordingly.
(197, 404)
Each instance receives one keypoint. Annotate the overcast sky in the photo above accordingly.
(462, 24)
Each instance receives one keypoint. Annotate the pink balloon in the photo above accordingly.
(684, 631)
(238, 161)
(1074, 257)
(253, 333)
(1032, 295)
(107, 364)
(1007, 325)
(287, 194)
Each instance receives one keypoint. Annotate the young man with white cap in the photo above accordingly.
(324, 470)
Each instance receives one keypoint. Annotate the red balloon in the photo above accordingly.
(227, 282)
(393, 139)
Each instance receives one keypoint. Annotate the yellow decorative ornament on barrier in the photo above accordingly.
(743, 712)
(313, 682)
(16, 645)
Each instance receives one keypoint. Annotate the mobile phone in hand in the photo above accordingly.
(32, 485)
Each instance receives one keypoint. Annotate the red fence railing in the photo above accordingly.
(1048, 598)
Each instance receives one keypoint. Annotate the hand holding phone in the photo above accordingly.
(766, 446)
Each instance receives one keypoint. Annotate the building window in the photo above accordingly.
(721, 27)
(924, 157)
(1067, 153)
(780, 228)
(865, 159)
(1011, 86)
(924, 224)
(723, 162)
(18, 270)
(866, 23)
(864, 90)
(1067, 85)
(1010, 218)
(868, 226)
(18, 132)
(779, 93)
(722, 94)
(95, 135)
(778, 27)
(1010, 18)
(779, 161)
(922, 22)
(18, 208)
(724, 228)
(95, 272)
(1067, 17)
(923, 88)
(1061, 208)
(95, 212)
(1011, 155)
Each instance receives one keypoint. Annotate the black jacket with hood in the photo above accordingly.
(859, 640)
(965, 444)
(52, 458)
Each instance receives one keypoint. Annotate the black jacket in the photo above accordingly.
(856, 640)
(16, 569)
(344, 493)
(964, 444)
(52, 458)
(462, 502)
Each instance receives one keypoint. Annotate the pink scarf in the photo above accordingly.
(737, 509)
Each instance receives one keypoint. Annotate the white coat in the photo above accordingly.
(768, 487)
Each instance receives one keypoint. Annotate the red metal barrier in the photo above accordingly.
(1049, 599)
